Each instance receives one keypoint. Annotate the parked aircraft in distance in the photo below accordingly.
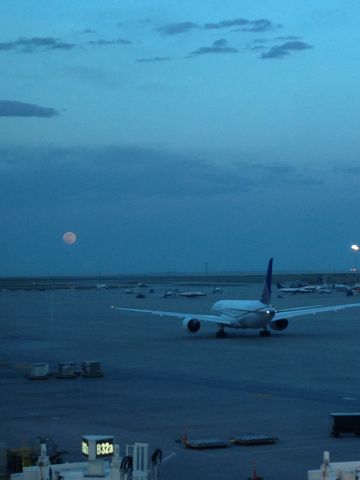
(341, 287)
(255, 314)
(173, 293)
(170, 293)
(293, 290)
(305, 289)
(192, 294)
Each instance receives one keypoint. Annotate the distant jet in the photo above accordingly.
(305, 289)
(192, 294)
(341, 287)
(294, 290)
(170, 293)
(256, 314)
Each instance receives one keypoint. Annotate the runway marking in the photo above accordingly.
(172, 454)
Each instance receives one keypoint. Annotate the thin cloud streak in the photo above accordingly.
(11, 108)
(285, 49)
(241, 24)
(261, 25)
(177, 28)
(226, 24)
(29, 45)
(153, 59)
(104, 43)
(219, 46)
(254, 26)
(87, 31)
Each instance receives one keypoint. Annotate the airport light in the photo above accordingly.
(355, 248)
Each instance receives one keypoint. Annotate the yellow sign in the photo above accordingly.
(104, 449)
(85, 448)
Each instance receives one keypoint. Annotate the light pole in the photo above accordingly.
(355, 248)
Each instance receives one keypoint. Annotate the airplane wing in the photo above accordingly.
(297, 312)
(204, 318)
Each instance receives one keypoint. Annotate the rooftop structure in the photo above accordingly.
(104, 462)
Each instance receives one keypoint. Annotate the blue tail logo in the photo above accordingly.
(266, 294)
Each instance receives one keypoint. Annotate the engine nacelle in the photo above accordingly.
(191, 325)
(279, 324)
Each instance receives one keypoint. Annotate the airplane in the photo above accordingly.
(255, 314)
(170, 293)
(294, 290)
(341, 287)
(192, 294)
(305, 289)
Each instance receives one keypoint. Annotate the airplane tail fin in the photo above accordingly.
(266, 294)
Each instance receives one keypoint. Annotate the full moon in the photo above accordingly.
(69, 238)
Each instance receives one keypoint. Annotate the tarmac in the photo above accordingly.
(160, 382)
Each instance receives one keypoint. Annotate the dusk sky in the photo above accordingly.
(169, 134)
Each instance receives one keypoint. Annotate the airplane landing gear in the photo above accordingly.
(221, 333)
(265, 333)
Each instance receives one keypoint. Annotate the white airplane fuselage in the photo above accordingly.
(244, 313)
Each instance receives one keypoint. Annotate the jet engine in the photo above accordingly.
(279, 324)
(191, 325)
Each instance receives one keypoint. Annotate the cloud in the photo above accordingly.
(114, 174)
(10, 108)
(288, 37)
(87, 31)
(257, 44)
(226, 24)
(111, 174)
(219, 46)
(240, 24)
(177, 28)
(29, 45)
(153, 59)
(104, 43)
(260, 25)
(277, 173)
(283, 50)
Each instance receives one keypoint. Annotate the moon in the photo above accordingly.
(69, 238)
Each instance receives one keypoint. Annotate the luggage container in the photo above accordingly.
(202, 444)
(67, 370)
(39, 371)
(345, 423)
(91, 369)
(253, 440)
